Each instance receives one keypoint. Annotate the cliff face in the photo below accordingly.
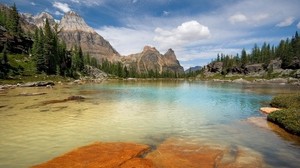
(150, 59)
(74, 31)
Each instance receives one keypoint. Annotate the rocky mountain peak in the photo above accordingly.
(72, 21)
(39, 20)
(149, 48)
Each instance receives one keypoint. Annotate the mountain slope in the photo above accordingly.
(74, 31)
(151, 60)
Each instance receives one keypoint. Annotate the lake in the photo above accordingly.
(34, 130)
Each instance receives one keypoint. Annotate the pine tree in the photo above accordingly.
(244, 58)
(80, 60)
(4, 65)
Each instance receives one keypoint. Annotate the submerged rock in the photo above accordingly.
(184, 153)
(70, 98)
(32, 94)
(99, 154)
(173, 152)
(38, 84)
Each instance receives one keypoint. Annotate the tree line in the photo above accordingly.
(287, 51)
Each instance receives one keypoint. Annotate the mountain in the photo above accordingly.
(151, 60)
(74, 31)
(193, 69)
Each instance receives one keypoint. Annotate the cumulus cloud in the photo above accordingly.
(32, 3)
(64, 7)
(298, 25)
(237, 18)
(286, 22)
(187, 32)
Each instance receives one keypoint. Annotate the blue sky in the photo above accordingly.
(197, 30)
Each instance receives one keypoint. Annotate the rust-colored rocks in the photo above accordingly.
(100, 155)
(178, 153)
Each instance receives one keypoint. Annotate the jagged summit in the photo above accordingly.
(72, 21)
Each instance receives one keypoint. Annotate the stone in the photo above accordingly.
(37, 84)
(178, 153)
(215, 67)
(70, 98)
(253, 68)
(100, 154)
(268, 110)
(275, 64)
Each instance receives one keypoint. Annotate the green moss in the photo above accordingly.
(286, 101)
(288, 119)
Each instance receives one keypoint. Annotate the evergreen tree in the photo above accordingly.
(244, 58)
(4, 65)
(80, 60)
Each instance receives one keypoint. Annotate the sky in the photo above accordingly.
(197, 30)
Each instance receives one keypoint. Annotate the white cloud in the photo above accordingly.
(237, 18)
(187, 32)
(32, 3)
(134, 1)
(64, 7)
(298, 25)
(286, 22)
(260, 17)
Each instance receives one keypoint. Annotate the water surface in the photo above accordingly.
(148, 112)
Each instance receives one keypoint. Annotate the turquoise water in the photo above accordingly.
(143, 112)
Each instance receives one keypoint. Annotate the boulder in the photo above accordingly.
(215, 67)
(253, 68)
(275, 64)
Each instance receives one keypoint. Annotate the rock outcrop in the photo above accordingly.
(151, 60)
(15, 44)
(175, 153)
(75, 32)
(101, 155)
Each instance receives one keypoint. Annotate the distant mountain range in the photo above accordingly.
(193, 69)
(75, 31)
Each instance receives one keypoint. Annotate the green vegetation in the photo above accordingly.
(289, 117)
(287, 51)
(9, 19)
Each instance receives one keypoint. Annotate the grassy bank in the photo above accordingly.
(289, 117)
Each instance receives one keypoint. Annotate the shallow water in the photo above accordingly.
(148, 112)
